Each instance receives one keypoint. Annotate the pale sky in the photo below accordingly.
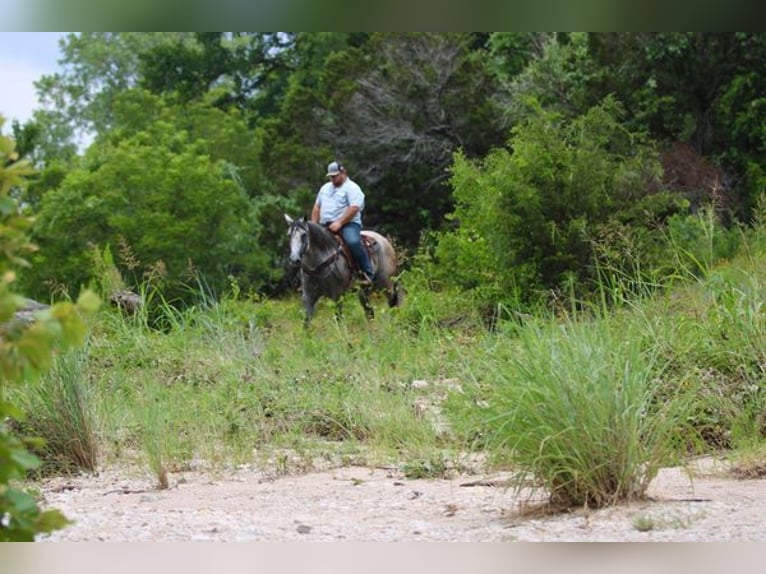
(24, 58)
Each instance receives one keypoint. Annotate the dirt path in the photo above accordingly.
(361, 504)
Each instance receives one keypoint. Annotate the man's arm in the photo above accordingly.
(315, 213)
(347, 216)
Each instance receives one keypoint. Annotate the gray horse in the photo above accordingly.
(327, 272)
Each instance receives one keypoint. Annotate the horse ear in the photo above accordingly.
(288, 219)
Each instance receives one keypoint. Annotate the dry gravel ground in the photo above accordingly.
(357, 504)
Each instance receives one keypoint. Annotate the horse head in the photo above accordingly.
(299, 238)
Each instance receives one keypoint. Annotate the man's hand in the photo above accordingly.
(347, 216)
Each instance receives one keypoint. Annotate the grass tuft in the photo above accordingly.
(60, 410)
(574, 406)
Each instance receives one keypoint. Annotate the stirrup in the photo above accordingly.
(364, 280)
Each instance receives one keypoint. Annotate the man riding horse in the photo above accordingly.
(339, 205)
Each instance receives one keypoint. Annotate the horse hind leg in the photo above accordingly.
(395, 295)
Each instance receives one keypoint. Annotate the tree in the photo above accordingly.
(557, 75)
(181, 212)
(298, 150)
(528, 215)
(688, 90)
(701, 89)
(95, 68)
(393, 107)
(511, 52)
(245, 70)
(426, 96)
(223, 135)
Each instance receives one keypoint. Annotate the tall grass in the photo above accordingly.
(157, 435)
(575, 407)
(728, 351)
(60, 409)
(238, 380)
(590, 401)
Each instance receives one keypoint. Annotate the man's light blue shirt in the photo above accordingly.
(333, 201)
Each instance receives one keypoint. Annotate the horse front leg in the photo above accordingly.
(309, 305)
(338, 308)
(364, 299)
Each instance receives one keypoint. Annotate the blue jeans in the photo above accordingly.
(352, 235)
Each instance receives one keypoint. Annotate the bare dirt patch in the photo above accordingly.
(701, 503)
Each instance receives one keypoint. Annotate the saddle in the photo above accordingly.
(370, 245)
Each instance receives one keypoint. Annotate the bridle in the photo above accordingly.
(316, 270)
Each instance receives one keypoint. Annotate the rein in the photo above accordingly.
(323, 264)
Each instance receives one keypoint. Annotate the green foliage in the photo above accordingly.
(178, 211)
(728, 354)
(511, 52)
(275, 107)
(222, 135)
(558, 77)
(704, 89)
(429, 304)
(528, 218)
(245, 70)
(95, 67)
(299, 124)
(432, 77)
(186, 68)
(26, 351)
(700, 241)
(705, 319)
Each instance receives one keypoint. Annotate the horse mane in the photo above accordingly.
(320, 236)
